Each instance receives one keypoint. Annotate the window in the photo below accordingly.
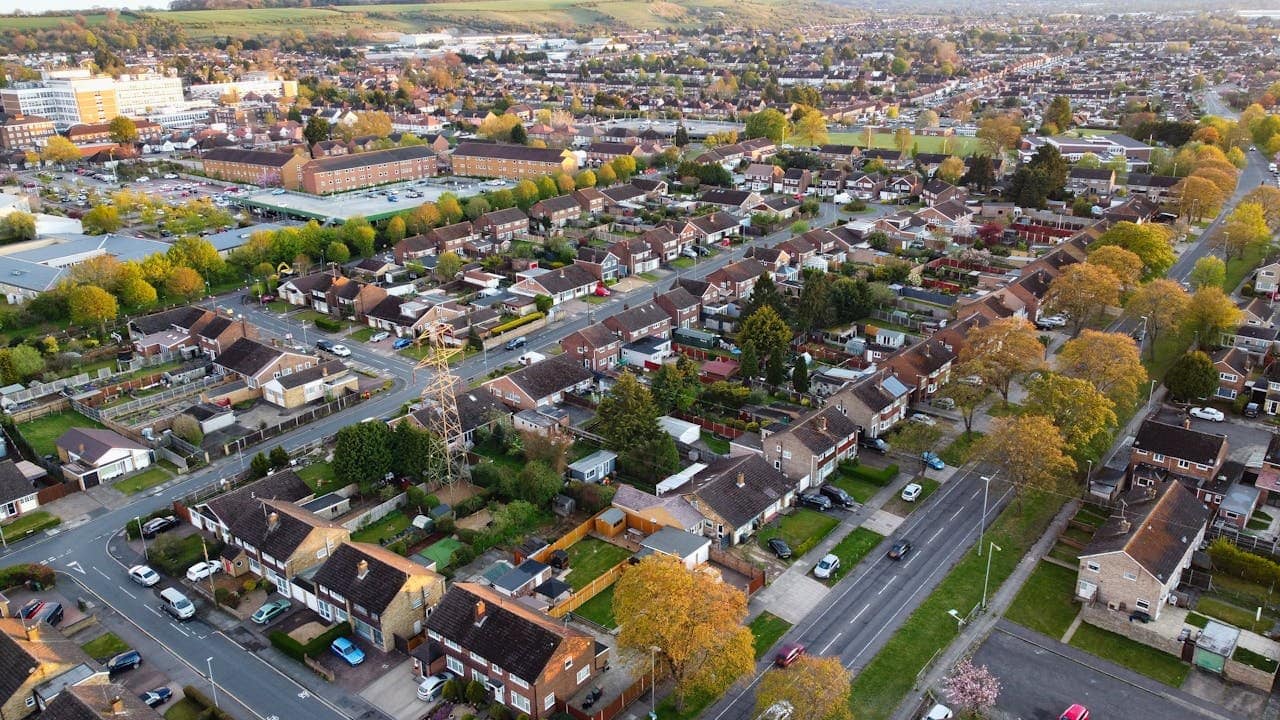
(520, 703)
(479, 659)
(583, 674)
(455, 665)
(1183, 464)
(1157, 457)
(31, 701)
(518, 682)
(452, 645)
(1142, 604)
(568, 663)
(322, 553)
(1130, 576)
(549, 701)
(1092, 566)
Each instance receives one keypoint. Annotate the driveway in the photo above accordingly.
(395, 692)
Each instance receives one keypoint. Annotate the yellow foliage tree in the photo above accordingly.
(1082, 292)
(1029, 451)
(1002, 351)
(1108, 361)
(816, 687)
(1208, 314)
(1162, 302)
(1083, 415)
(1126, 265)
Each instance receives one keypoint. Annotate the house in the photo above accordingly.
(595, 346)
(385, 596)
(415, 247)
(795, 181)
(561, 285)
(876, 403)
(640, 321)
(98, 699)
(541, 383)
(637, 254)
(255, 167)
(836, 155)
(760, 178)
(590, 200)
(925, 367)
(554, 213)
(326, 381)
(602, 264)
(1178, 449)
(692, 550)
(625, 197)
(476, 410)
(326, 175)
(952, 216)
(901, 187)
(1156, 188)
(1233, 366)
(454, 238)
(502, 225)
(808, 450)
(179, 332)
(600, 153)
(1137, 557)
(596, 467)
(737, 279)
(39, 663)
(681, 306)
(222, 332)
(258, 364)
(830, 183)
(736, 496)
(715, 227)
(865, 186)
(18, 494)
(647, 352)
(1266, 281)
(939, 191)
(738, 200)
(91, 456)
(1257, 340)
(528, 661)
(651, 511)
(1091, 182)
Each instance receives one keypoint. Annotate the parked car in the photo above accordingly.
(601, 291)
(1075, 712)
(129, 660)
(326, 345)
(203, 569)
(401, 343)
(780, 548)
(826, 566)
(270, 610)
(922, 419)
(931, 459)
(1207, 413)
(430, 687)
(899, 550)
(515, 343)
(944, 403)
(873, 443)
(340, 350)
(347, 650)
(278, 191)
(48, 611)
(838, 496)
(155, 526)
(379, 336)
(156, 697)
(1051, 322)
(816, 501)
(939, 712)
(788, 654)
(912, 491)
(144, 575)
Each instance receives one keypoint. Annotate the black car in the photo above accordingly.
(780, 548)
(42, 610)
(899, 550)
(155, 526)
(326, 345)
(838, 496)
(816, 501)
(156, 696)
(124, 661)
(873, 443)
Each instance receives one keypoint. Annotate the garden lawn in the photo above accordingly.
(890, 675)
(1044, 602)
(1238, 268)
(802, 530)
(957, 453)
(1228, 613)
(27, 523)
(185, 552)
(767, 629)
(362, 335)
(319, 477)
(589, 558)
(441, 552)
(599, 609)
(860, 489)
(104, 646)
(42, 432)
(383, 530)
(1139, 658)
(852, 549)
(183, 709)
(279, 306)
(143, 480)
(719, 446)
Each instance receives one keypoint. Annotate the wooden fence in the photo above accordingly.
(317, 668)
(715, 427)
(57, 406)
(592, 589)
(566, 540)
(754, 575)
(613, 708)
(48, 494)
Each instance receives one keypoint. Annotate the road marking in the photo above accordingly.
(153, 611)
(175, 627)
(886, 585)
(102, 573)
(956, 513)
(832, 642)
(975, 494)
(935, 535)
(855, 617)
(76, 566)
(126, 592)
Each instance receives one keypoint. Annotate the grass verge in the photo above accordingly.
(802, 530)
(1044, 602)
(767, 629)
(183, 709)
(898, 506)
(1142, 659)
(104, 646)
(851, 549)
(861, 490)
(143, 481)
(960, 449)
(28, 523)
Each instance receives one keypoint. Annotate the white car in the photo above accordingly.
(912, 491)
(826, 566)
(1053, 321)
(170, 176)
(923, 419)
(430, 687)
(379, 336)
(1208, 413)
(939, 712)
(202, 570)
(143, 575)
(340, 350)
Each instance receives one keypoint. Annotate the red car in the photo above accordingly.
(788, 654)
(602, 291)
(1076, 712)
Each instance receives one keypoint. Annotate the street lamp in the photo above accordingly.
(653, 682)
(1150, 394)
(145, 556)
(987, 579)
(982, 521)
(959, 618)
(212, 684)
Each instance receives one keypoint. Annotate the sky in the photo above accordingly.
(9, 6)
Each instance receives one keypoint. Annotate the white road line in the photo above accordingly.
(975, 494)
(955, 514)
(126, 592)
(102, 573)
(829, 644)
(153, 611)
(855, 617)
(175, 627)
(886, 585)
(935, 535)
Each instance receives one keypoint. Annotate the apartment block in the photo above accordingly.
(255, 167)
(510, 161)
(26, 132)
(361, 170)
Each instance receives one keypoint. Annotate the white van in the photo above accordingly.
(177, 604)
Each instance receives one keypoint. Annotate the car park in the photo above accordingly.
(912, 491)
(155, 526)
(270, 610)
(144, 575)
(156, 697)
(826, 567)
(348, 651)
(931, 459)
(430, 687)
(1207, 413)
(129, 660)
(838, 496)
(900, 549)
(788, 654)
(379, 336)
(780, 548)
(203, 570)
(815, 500)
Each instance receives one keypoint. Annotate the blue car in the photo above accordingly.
(402, 343)
(933, 461)
(348, 651)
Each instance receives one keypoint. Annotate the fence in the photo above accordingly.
(57, 406)
(754, 575)
(320, 411)
(718, 428)
(375, 513)
(593, 588)
(610, 710)
(48, 494)
(1242, 541)
(566, 540)
(317, 668)
(116, 411)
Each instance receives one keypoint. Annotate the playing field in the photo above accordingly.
(954, 145)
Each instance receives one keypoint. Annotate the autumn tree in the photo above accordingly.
(1151, 242)
(966, 395)
(584, 179)
(902, 139)
(810, 128)
(815, 687)
(60, 151)
(448, 265)
(972, 689)
(1208, 314)
(1163, 303)
(123, 130)
(1191, 377)
(1125, 264)
(101, 220)
(1108, 361)
(1002, 351)
(20, 225)
(690, 621)
(1084, 416)
(1059, 113)
(628, 421)
(1029, 452)
(1209, 271)
(367, 122)
(91, 305)
(136, 293)
(1268, 198)
(999, 133)
(450, 208)
(913, 439)
(1083, 292)
(1198, 198)
(184, 284)
(950, 170)
(1246, 228)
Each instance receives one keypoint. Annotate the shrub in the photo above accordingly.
(250, 585)
(445, 525)
(476, 693)
(329, 324)
(1231, 559)
(268, 587)
(452, 691)
(207, 708)
(133, 531)
(871, 475)
(498, 711)
(513, 324)
(16, 575)
(188, 428)
(317, 645)
(226, 597)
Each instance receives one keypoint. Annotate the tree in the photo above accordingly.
(1163, 303)
(914, 439)
(448, 265)
(1151, 242)
(518, 134)
(25, 362)
(1082, 292)
(800, 375)
(814, 309)
(1198, 198)
(449, 207)
(902, 139)
(547, 187)
(681, 138)
(526, 193)
(367, 122)
(950, 170)
(101, 219)
(810, 129)
(764, 292)
(980, 174)
(584, 179)
(136, 293)
(337, 252)
(123, 130)
(317, 130)
(184, 284)
(476, 206)
(1191, 377)
(998, 133)
(768, 123)
(1208, 314)
(1084, 416)
(198, 254)
(764, 332)
(966, 395)
(259, 466)
(1002, 351)
(692, 622)
(628, 420)
(675, 386)
(91, 305)
(1108, 361)
(415, 453)
(1059, 113)
(815, 687)
(60, 151)
(1246, 228)
(1029, 451)
(279, 457)
(188, 428)
(926, 119)
(605, 176)
(1126, 265)
(536, 483)
(1268, 197)
(362, 454)
(972, 688)
(20, 225)
(396, 230)
(1209, 271)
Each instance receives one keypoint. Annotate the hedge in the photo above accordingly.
(131, 529)
(1230, 559)
(1253, 659)
(16, 575)
(207, 707)
(870, 474)
(329, 324)
(317, 645)
(512, 325)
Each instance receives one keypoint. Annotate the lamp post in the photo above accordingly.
(1150, 394)
(145, 556)
(212, 684)
(653, 681)
(982, 521)
(987, 578)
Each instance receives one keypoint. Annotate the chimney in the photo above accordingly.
(33, 632)
(822, 423)
(362, 569)
(480, 611)
(742, 480)
(273, 521)
(117, 705)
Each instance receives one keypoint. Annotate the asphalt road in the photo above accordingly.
(864, 610)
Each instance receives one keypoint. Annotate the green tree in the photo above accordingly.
(980, 174)
(768, 123)
(101, 219)
(675, 386)
(362, 454)
(1152, 242)
(259, 466)
(681, 138)
(449, 207)
(526, 193)
(518, 134)
(536, 483)
(20, 225)
(547, 187)
(316, 130)
(1209, 271)
(188, 428)
(1192, 377)
(584, 179)
(605, 176)
(26, 362)
(1083, 415)
(279, 457)
(764, 293)
(775, 370)
(413, 451)
(91, 305)
(628, 420)
(814, 309)
(1209, 313)
(800, 375)
(337, 252)
(448, 265)
(123, 130)
(765, 333)
(476, 206)
(1059, 113)
(136, 293)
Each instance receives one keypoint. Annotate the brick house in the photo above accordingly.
(939, 191)
(600, 153)
(737, 496)
(1092, 182)
(324, 176)
(637, 255)
(602, 264)
(222, 332)
(641, 321)
(416, 247)
(1179, 450)
(554, 213)
(39, 661)
(503, 225)
(258, 364)
(514, 162)
(542, 383)
(682, 307)
(830, 183)
(561, 285)
(325, 381)
(255, 167)
(715, 227)
(1233, 366)
(737, 279)
(808, 451)
(664, 246)
(795, 181)
(454, 238)
(98, 699)
(528, 661)
(925, 367)
(875, 403)
(590, 200)
(385, 596)
(594, 346)
(1137, 557)
(167, 334)
(761, 177)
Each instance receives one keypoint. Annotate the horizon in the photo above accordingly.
(9, 7)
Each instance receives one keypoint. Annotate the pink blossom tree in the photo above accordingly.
(972, 688)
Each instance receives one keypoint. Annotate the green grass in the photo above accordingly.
(1258, 524)
(851, 549)
(1227, 612)
(891, 674)
(362, 335)
(767, 629)
(1262, 515)
(683, 263)
(441, 552)
(1091, 516)
(1065, 553)
(183, 709)
(28, 523)
(1168, 348)
(1253, 659)
(104, 646)
(143, 481)
(650, 276)
(1000, 409)
(1142, 659)
(1044, 602)
(694, 704)
(385, 529)
(1197, 620)
(319, 477)
(898, 506)
(589, 558)
(173, 555)
(1238, 268)
(599, 609)
(717, 445)
(43, 432)
(860, 489)
(802, 530)
(279, 306)
(41, 22)
(499, 456)
(877, 476)
(958, 452)
(928, 144)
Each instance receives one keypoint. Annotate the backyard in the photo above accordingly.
(802, 530)
(589, 558)
(1044, 602)
(441, 552)
(382, 531)
(43, 432)
(319, 477)
(599, 609)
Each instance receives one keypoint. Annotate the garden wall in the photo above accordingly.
(375, 513)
